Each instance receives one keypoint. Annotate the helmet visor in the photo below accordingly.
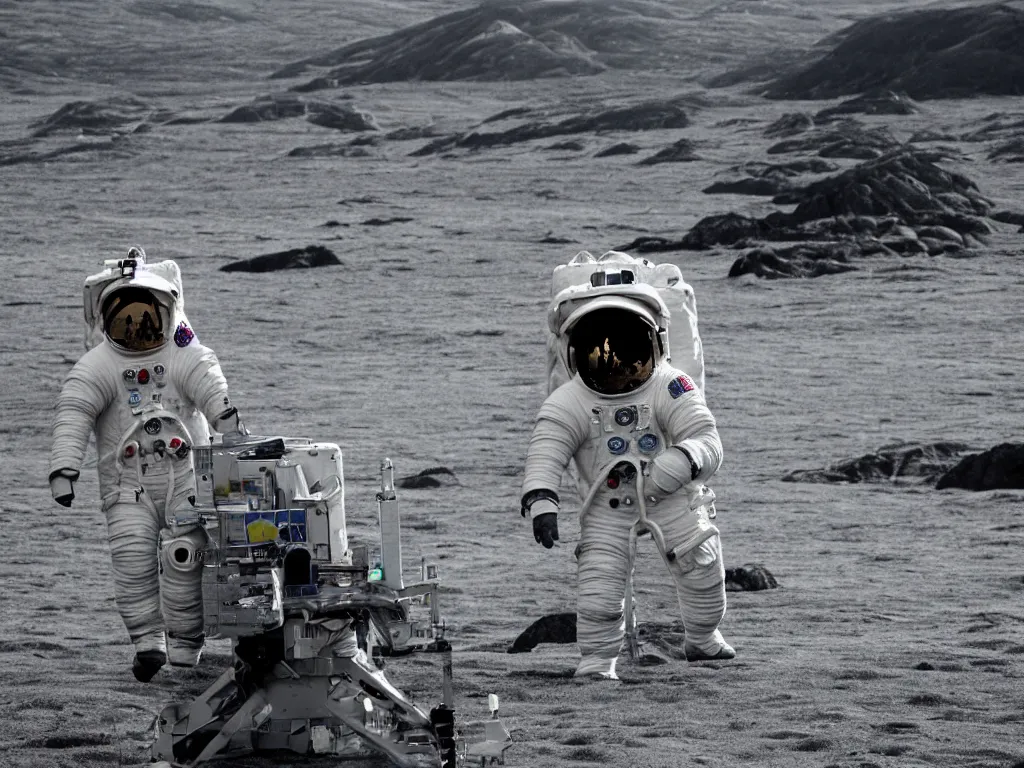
(134, 320)
(613, 350)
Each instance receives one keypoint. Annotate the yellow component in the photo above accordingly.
(260, 531)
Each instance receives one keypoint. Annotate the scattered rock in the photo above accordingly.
(553, 628)
(679, 152)
(1009, 152)
(297, 258)
(767, 185)
(751, 577)
(432, 477)
(879, 101)
(930, 53)
(267, 108)
(912, 462)
(928, 135)
(567, 146)
(92, 118)
(378, 222)
(622, 148)
(412, 132)
(1008, 217)
(805, 260)
(790, 124)
(340, 117)
(847, 139)
(645, 116)
(330, 150)
(998, 467)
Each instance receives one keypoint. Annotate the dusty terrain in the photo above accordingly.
(897, 635)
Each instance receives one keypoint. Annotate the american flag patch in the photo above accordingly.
(680, 385)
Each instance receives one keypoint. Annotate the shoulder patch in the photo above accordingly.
(183, 335)
(680, 385)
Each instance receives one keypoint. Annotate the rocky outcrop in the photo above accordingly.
(297, 258)
(504, 40)
(907, 462)
(931, 53)
(680, 151)
(790, 124)
(880, 101)
(93, 118)
(283, 106)
(804, 260)
(848, 139)
(998, 467)
(645, 116)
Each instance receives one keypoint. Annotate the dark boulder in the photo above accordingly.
(267, 108)
(929, 53)
(622, 148)
(553, 628)
(766, 186)
(432, 477)
(297, 258)
(679, 152)
(1008, 217)
(790, 124)
(804, 260)
(750, 577)
(93, 118)
(905, 462)
(998, 467)
(330, 150)
(880, 101)
(340, 117)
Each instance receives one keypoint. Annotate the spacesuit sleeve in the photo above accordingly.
(202, 381)
(85, 394)
(690, 425)
(556, 438)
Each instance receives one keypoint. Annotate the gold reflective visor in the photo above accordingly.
(134, 324)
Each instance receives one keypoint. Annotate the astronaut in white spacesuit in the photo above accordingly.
(644, 443)
(151, 392)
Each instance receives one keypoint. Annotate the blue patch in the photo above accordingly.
(134, 398)
(617, 445)
(680, 385)
(647, 443)
(183, 335)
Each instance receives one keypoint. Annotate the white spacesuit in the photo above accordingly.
(150, 391)
(644, 443)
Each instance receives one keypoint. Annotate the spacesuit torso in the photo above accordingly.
(108, 389)
(600, 431)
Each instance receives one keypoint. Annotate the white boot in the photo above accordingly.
(596, 667)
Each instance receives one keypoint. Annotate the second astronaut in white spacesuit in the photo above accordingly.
(148, 373)
(644, 442)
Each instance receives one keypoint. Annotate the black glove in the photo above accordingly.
(545, 529)
(62, 486)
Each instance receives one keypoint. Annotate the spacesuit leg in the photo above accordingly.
(602, 571)
(181, 593)
(133, 531)
(699, 576)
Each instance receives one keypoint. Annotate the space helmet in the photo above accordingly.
(137, 313)
(613, 335)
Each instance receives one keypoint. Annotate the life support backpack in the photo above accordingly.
(659, 287)
(163, 276)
